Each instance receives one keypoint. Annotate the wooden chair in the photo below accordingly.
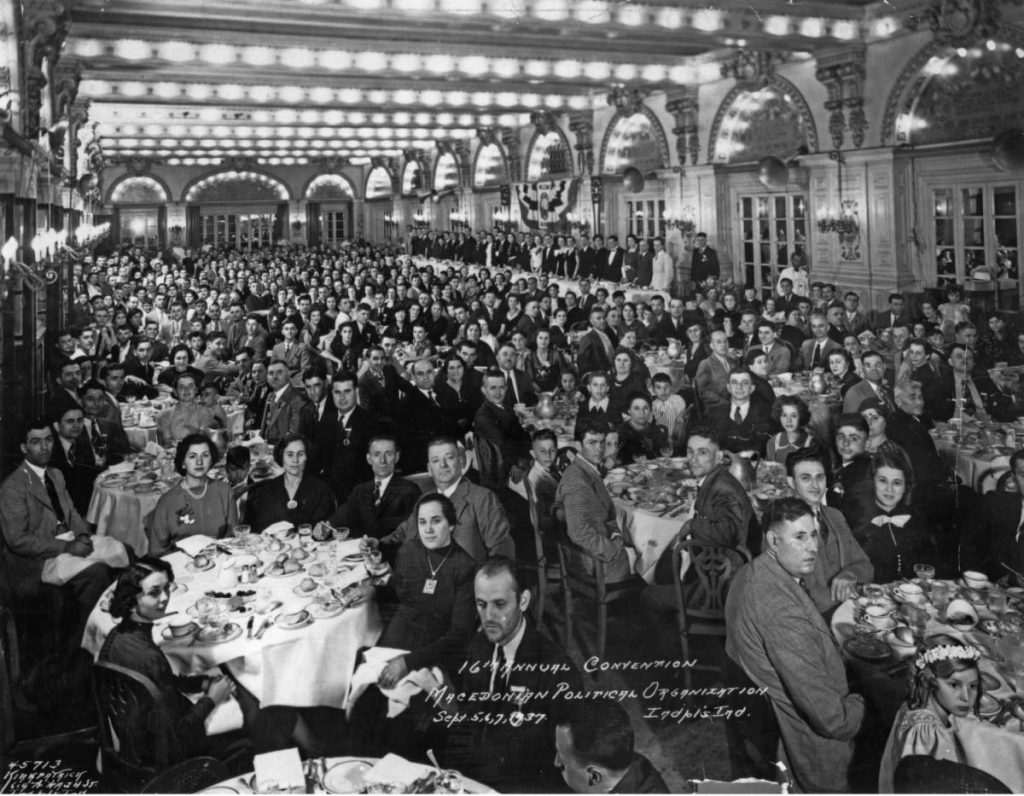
(134, 727)
(188, 776)
(700, 602)
(490, 465)
(585, 575)
(545, 549)
(990, 480)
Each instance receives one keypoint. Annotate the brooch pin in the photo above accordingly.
(186, 516)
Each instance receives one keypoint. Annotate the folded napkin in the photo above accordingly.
(350, 547)
(193, 545)
(355, 575)
(59, 570)
(120, 467)
(279, 528)
(153, 449)
(392, 768)
(282, 768)
(375, 659)
(996, 750)
(225, 717)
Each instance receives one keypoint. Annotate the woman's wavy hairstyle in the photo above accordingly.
(129, 584)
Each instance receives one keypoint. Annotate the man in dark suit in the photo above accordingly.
(645, 265)
(420, 418)
(319, 418)
(256, 397)
(507, 656)
(992, 535)
(518, 387)
(282, 414)
(722, 513)
(376, 507)
(347, 443)
(586, 258)
(103, 428)
(704, 263)
(498, 424)
(954, 390)
(745, 423)
(616, 257)
(597, 347)
(380, 386)
(64, 394)
(139, 372)
(896, 315)
(74, 457)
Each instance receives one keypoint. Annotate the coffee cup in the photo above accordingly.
(878, 616)
(180, 626)
(974, 579)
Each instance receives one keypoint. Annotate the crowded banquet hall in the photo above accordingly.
(425, 396)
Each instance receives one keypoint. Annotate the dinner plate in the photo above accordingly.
(219, 789)
(353, 558)
(297, 589)
(191, 567)
(229, 632)
(963, 585)
(299, 571)
(321, 611)
(178, 588)
(347, 777)
(870, 649)
(652, 507)
(308, 618)
(166, 634)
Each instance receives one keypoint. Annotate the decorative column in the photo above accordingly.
(512, 142)
(842, 73)
(581, 124)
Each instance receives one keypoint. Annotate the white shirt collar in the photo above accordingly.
(67, 443)
(451, 490)
(384, 483)
(511, 647)
(279, 393)
(602, 405)
(346, 416)
(39, 471)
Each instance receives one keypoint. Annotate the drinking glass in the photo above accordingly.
(997, 601)
(341, 534)
(374, 563)
(873, 591)
(305, 530)
(940, 595)
(263, 601)
(925, 572)
(241, 533)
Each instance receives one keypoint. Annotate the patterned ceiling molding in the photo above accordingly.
(543, 121)
(842, 73)
(912, 81)
(753, 68)
(684, 107)
(779, 84)
(326, 178)
(510, 142)
(623, 115)
(418, 157)
(195, 185)
(627, 101)
(581, 124)
(959, 21)
(131, 177)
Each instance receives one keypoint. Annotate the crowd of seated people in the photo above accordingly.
(361, 367)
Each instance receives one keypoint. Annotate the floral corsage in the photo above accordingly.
(186, 516)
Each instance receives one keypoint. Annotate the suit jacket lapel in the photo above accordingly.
(37, 488)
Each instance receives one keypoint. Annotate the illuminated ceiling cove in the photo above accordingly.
(279, 82)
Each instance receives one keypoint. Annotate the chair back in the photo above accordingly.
(1006, 483)
(989, 480)
(134, 731)
(10, 674)
(188, 776)
(926, 774)
(538, 534)
(713, 568)
(489, 464)
(581, 571)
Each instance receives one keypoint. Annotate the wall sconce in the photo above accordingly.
(845, 224)
(459, 219)
(576, 225)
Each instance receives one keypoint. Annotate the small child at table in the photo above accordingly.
(669, 410)
(944, 682)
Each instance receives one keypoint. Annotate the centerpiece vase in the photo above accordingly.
(545, 408)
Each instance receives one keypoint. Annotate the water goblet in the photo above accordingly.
(341, 534)
(940, 595)
(997, 601)
(925, 572)
(241, 533)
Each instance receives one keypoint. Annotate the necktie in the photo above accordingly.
(499, 677)
(816, 359)
(804, 586)
(287, 348)
(267, 410)
(70, 455)
(821, 525)
(737, 416)
(512, 386)
(376, 492)
(51, 491)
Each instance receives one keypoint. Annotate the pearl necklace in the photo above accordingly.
(188, 491)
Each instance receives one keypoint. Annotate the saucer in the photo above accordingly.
(179, 588)
(191, 567)
(230, 632)
(321, 611)
(299, 571)
(166, 634)
(297, 589)
(306, 619)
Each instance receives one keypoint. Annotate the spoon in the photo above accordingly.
(433, 759)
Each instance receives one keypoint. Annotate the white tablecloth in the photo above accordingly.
(119, 512)
(968, 466)
(649, 534)
(307, 667)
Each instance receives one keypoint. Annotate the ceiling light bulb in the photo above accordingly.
(406, 62)
(297, 57)
(812, 28)
(431, 97)
(350, 96)
(260, 93)
(87, 48)
(321, 95)
(474, 65)
(536, 68)
(198, 91)
(371, 61)
(625, 71)
(593, 12)
(551, 10)
(230, 92)
(707, 19)
(259, 56)
(167, 90)
(336, 60)
(217, 54)
(291, 94)
(631, 15)
(653, 73)
(439, 64)
(845, 29)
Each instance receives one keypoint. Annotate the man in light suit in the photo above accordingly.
(295, 354)
(585, 503)
(814, 352)
(376, 507)
(776, 635)
(282, 414)
(482, 529)
(776, 352)
(712, 376)
(36, 508)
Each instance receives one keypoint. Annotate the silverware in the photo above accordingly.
(1015, 572)
(183, 550)
(248, 631)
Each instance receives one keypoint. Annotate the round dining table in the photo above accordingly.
(307, 665)
(349, 774)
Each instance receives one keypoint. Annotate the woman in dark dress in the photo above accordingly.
(181, 362)
(140, 598)
(840, 364)
(341, 349)
(696, 349)
(294, 496)
(455, 393)
(894, 536)
(623, 382)
(435, 619)
(544, 365)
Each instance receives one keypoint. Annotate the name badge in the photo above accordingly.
(430, 585)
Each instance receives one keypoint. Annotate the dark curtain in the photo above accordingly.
(57, 217)
(115, 227)
(193, 226)
(161, 226)
(281, 223)
(314, 234)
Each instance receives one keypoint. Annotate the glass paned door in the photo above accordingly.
(774, 228)
(334, 227)
(646, 218)
(976, 226)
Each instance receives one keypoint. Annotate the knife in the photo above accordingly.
(248, 632)
(263, 628)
